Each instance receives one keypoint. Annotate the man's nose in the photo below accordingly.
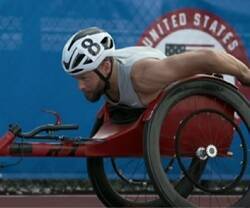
(81, 85)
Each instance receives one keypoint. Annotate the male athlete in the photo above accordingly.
(134, 76)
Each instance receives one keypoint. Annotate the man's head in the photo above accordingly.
(85, 57)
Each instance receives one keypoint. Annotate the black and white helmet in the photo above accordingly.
(85, 50)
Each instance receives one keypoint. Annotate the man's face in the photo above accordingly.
(91, 85)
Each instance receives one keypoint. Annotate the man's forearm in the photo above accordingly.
(211, 61)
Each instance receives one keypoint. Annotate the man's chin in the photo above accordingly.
(93, 99)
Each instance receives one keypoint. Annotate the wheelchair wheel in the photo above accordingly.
(122, 182)
(207, 120)
(210, 152)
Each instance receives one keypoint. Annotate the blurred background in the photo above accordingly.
(33, 33)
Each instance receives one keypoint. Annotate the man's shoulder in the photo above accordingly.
(131, 55)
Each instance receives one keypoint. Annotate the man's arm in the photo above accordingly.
(151, 75)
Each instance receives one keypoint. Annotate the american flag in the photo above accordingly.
(176, 48)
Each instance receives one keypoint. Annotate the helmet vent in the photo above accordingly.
(107, 43)
(83, 33)
(77, 60)
(76, 70)
(88, 61)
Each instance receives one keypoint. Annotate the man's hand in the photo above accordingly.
(245, 80)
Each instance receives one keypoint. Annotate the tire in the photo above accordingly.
(212, 89)
(108, 192)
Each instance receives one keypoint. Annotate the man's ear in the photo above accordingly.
(106, 66)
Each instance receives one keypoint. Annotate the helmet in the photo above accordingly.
(85, 50)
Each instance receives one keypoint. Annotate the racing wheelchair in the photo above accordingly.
(188, 148)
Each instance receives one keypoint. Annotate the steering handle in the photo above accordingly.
(47, 127)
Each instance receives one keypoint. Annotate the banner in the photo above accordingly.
(33, 33)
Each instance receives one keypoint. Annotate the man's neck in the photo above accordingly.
(113, 92)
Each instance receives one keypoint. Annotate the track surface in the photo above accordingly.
(55, 201)
(89, 200)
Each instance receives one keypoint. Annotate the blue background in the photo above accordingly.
(32, 35)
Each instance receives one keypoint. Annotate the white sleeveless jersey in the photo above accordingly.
(126, 58)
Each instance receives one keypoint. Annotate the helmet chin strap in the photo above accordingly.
(106, 80)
